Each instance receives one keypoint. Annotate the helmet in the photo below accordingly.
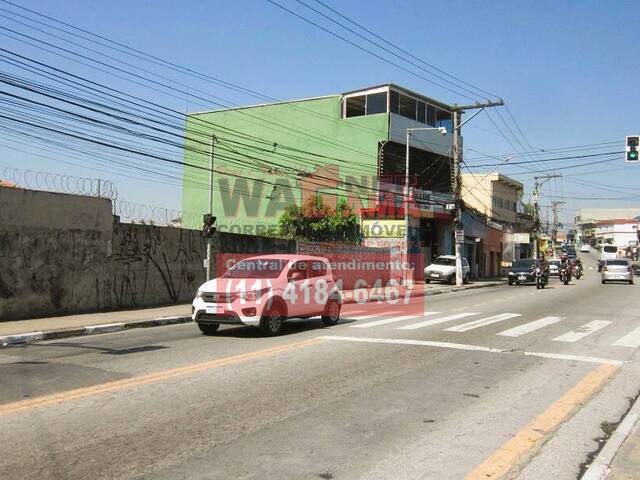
(541, 256)
(564, 257)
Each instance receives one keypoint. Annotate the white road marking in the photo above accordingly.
(423, 343)
(530, 327)
(483, 322)
(477, 348)
(436, 321)
(631, 340)
(387, 321)
(577, 358)
(367, 317)
(583, 331)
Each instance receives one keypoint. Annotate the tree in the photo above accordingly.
(314, 221)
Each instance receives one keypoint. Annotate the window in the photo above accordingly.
(431, 115)
(377, 103)
(407, 107)
(298, 267)
(355, 106)
(318, 269)
(610, 249)
(256, 268)
(421, 112)
(443, 119)
(449, 262)
(618, 262)
(394, 100)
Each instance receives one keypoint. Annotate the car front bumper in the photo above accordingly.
(443, 277)
(227, 313)
(522, 278)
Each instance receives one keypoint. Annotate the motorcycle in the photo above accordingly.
(541, 278)
(577, 271)
(565, 276)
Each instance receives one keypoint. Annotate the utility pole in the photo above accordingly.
(208, 233)
(457, 177)
(536, 208)
(554, 234)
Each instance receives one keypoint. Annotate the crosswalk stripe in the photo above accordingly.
(530, 327)
(387, 321)
(373, 315)
(631, 340)
(483, 322)
(583, 331)
(436, 321)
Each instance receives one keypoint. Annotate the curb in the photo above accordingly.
(25, 338)
(601, 465)
(55, 334)
(468, 287)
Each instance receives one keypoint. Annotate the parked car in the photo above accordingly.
(585, 248)
(265, 291)
(617, 270)
(521, 271)
(443, 269)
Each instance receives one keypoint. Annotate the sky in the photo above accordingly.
(567, 70)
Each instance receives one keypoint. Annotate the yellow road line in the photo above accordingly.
(530, 437)
(74, 394)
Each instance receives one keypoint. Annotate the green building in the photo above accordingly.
(350, 145)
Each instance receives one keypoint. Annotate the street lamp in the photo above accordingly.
(443, 132)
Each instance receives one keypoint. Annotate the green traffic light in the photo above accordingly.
(632, 156)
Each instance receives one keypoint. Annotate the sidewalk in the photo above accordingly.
(49, 328)
(626, 465)
(619, 459)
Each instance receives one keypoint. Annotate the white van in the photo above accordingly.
(608, 252)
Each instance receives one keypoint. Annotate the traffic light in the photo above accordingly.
(632, 148)
(208, 229)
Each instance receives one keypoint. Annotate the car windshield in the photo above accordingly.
(449, 262)
(617, 262)
(256, 268)
(523, 263)
(610, 249)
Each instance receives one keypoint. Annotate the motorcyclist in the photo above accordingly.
(564, 263)
(543, 265)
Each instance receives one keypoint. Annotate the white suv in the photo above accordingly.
(443, 269)
(264, 291)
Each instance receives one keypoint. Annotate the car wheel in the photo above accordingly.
(602, 281)
(427, 280)
(331, 314)
(630, 282)
(271, 322)
(209, 329)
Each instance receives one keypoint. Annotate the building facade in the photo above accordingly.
(497, 230)
(622, 233)
(350, 146)
(586, 221)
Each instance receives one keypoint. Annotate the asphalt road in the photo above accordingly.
(503, 379)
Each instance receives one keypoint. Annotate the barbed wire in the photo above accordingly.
(56, 182)
(139, 212)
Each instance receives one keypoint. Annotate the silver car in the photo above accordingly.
(618, 270)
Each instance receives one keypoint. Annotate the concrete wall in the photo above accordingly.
(63, 254)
